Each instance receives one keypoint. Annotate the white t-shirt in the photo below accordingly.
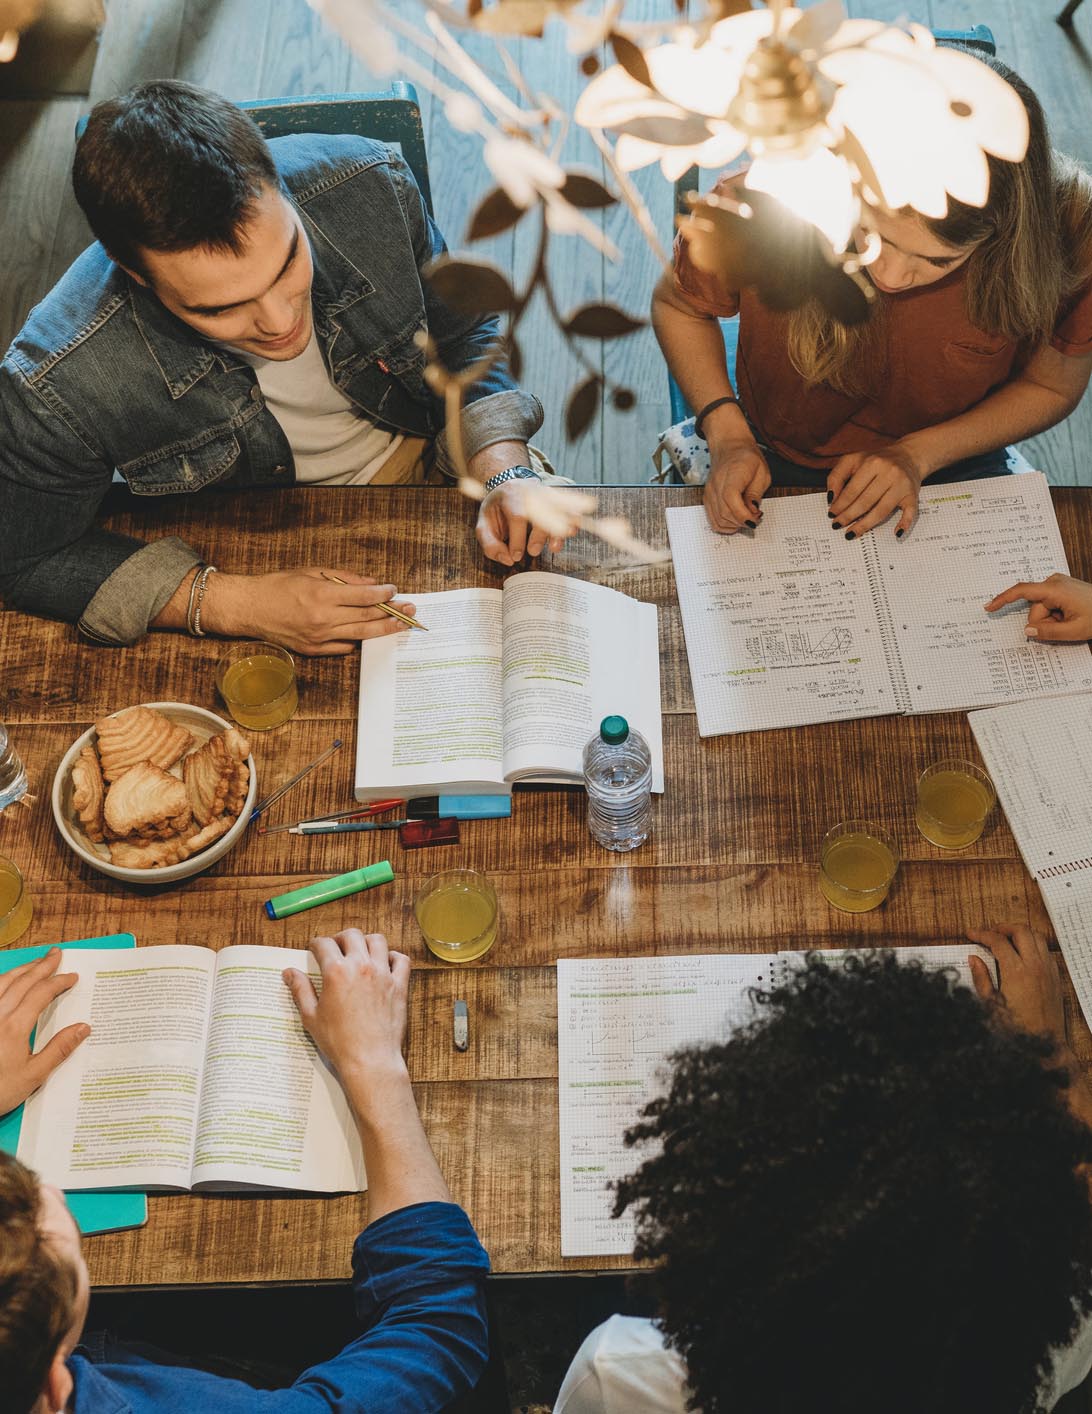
(624, 1367)
(331, 443)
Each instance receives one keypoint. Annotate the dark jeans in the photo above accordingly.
(999, 463)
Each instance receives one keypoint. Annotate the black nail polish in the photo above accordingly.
(830, 497)
(830, 515)
(899, 534)
(752, 524)
(835, 526)
(851, 535)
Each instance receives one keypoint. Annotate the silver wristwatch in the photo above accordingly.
(511, 473)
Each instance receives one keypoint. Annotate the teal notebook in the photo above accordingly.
(95, 1212)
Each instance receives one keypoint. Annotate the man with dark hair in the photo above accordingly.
(418, 1269)
(252, 316)
(872, 1198)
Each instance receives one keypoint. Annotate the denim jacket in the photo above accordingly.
(103, 377)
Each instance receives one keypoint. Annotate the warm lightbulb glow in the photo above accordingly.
(817, 188)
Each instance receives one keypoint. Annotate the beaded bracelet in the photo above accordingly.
(193, 593)
(707, 409)
(197, 598)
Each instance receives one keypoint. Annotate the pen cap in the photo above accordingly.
(326, 890)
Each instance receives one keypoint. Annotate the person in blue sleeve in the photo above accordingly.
(418, 1269)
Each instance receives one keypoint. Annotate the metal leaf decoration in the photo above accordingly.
(631, 59)
(602, 321)
(587, 192)
(582, 406)
(496, 212)
(470, 286)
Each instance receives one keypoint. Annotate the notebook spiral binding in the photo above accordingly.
(1054, 871)
(882, 605)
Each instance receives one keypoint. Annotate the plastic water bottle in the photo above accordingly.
(618, 779)
(13, 774)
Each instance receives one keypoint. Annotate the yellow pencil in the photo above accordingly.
(387, 608)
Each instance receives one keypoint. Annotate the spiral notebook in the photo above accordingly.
(792, 623)
(618, 1022)
(1041, 764)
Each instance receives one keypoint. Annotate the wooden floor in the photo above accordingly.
(264, 48)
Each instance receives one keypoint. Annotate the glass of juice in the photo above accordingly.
(457, 914)
(954, 802)
(258, 683)
(16, 909)
(857, 865)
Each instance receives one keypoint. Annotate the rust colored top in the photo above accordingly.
(938, 363)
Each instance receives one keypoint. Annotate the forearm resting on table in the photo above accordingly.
(498, 456)
(225, 608)
(398, 1158)
(1046, 392)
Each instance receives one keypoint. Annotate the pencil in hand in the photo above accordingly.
(386, 608)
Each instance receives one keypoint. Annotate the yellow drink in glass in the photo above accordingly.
(857, 865)
(258, 684)
(457, 914)
(16, 909)
(954, 802)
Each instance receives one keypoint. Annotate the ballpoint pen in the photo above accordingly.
(283, 790)
(343, 827)
(386, 608)
(358, 812)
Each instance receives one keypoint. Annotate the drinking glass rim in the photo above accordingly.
(9, 866)
(957, 764)
(871, 831)
(248, 649)
(483, 887)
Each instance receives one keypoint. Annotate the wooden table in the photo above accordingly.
(731, 864)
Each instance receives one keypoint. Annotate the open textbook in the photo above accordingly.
(507, 686)
(197, 1074)
(618, 1020)
(1041, 763)
(795, 624)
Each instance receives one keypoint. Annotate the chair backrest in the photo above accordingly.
(393, 116)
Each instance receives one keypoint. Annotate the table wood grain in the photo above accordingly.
(730, 865)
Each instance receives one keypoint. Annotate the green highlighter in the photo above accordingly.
(326, 890)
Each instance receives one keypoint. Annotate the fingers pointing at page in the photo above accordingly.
(25, 992)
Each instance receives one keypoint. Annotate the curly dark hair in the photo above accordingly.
(867, 1200)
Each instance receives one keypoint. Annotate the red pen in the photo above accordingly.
(358, 812)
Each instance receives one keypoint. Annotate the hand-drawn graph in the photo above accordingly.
(799, 646)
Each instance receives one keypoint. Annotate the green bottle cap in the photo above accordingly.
(614, 730)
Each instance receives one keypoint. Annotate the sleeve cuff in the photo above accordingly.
(511, 416)
(425, 1245)
(129, 599)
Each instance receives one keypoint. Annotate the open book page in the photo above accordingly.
(972, 540)
(780, 625)
(430, 703)
(1040, 762)
(121, 1111)
(272, 1114)
(619, 1020)
(575, 653)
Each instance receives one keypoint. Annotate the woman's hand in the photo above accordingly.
(25, 992)
(1030, 988)
(864, 488)
(737, 482)
(1061, 608)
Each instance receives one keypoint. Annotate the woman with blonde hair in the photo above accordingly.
(980, 335)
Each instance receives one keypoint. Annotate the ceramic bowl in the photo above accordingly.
(203, 725)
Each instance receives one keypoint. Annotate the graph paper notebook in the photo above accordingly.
(795, 624)
(618, 1019)
(1041, 764)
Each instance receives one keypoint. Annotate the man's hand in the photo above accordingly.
(358, 1020)
(506, 530)
(25, 993)
(738, 479)
(1061, 608)
(306, 610)
(1030, 990)
(864, 488)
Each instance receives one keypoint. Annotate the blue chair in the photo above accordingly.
(393, 117)
(980, 37)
